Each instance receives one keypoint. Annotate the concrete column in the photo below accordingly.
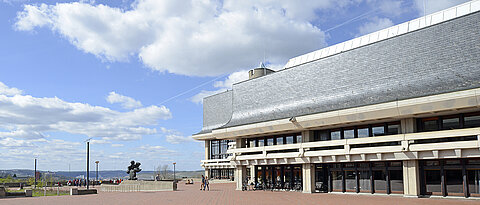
(408, 125)
(240, 175)
(307, 136)
(207, 149)
(252, 172)
(240, 143)
(308, 175)
(411, 178)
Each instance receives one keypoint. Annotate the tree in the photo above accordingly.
(161, 172)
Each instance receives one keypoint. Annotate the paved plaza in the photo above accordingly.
(225, 194)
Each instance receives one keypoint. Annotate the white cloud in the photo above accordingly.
(433, 6)
(375, 24)
(199, 38)
(5, 90)
(117, 145)
(177, 139)
(221, 86)
(125, 102)
(28, 117)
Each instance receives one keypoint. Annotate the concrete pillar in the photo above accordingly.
(408, 125)
(411, 178)
(240, 175)
(307, 136)
(308, 175)
(240, 143)
(252, 172)
(207, 149)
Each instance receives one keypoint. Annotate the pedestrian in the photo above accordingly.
(203, 183)
(206, 184)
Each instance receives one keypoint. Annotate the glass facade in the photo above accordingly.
(274, 140)
(218, 149)
(373, 130)
(457, 177)
(287, 177)
(369, 177)
(222, 174)
(449, 122)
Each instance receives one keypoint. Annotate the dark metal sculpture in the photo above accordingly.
(133, 169)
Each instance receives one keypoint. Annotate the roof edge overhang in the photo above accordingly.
(397, 109)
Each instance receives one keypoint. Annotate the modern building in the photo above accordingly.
(394, 112)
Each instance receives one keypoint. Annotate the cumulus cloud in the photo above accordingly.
(5, 90)
(221, 86)
(177, 139)
(198, 38)
(125, 102)
(375, 24)
(28, 117)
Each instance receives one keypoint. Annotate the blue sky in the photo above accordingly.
(131, 74)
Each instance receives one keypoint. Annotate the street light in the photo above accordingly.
(174, 181)
(96, 174)
(88, 161)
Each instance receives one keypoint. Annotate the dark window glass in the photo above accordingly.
(379, 164)
(452, 162)
(432, 163)
(349, 165)
(350, 181)
(269, 141)
(393, 128)
(430, 124)
(289, 139)
(349, 134)
(395, 164)
(362, 132)
(364, 181)
(432, 181)
(396, 181)
(322, 135)
(451, 123)
(473, 161)
(279, 140)
(472, 121)
(337, 180)
(380, 181)
(335, 135)
(378, 130)
(299, 138)
(474, 181)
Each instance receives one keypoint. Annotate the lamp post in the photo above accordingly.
(88, 162)
(96, 173)
(35, 175)
(174, 181)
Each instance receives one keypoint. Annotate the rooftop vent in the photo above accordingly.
(259, 72)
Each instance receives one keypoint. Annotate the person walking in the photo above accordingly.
(206, 184)
(203, 183)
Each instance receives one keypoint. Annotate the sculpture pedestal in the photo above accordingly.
(139, 186)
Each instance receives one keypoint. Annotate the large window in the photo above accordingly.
(370, 177)
(449, 122)
(221, 174)
(374, 130)
(274, 140)
(452, 177)
(218, 149)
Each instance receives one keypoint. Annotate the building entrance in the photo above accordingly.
(369, 177)
(280, 177)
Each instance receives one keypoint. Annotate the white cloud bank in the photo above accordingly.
(28, 117)
(198, 38)
(125, 101)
